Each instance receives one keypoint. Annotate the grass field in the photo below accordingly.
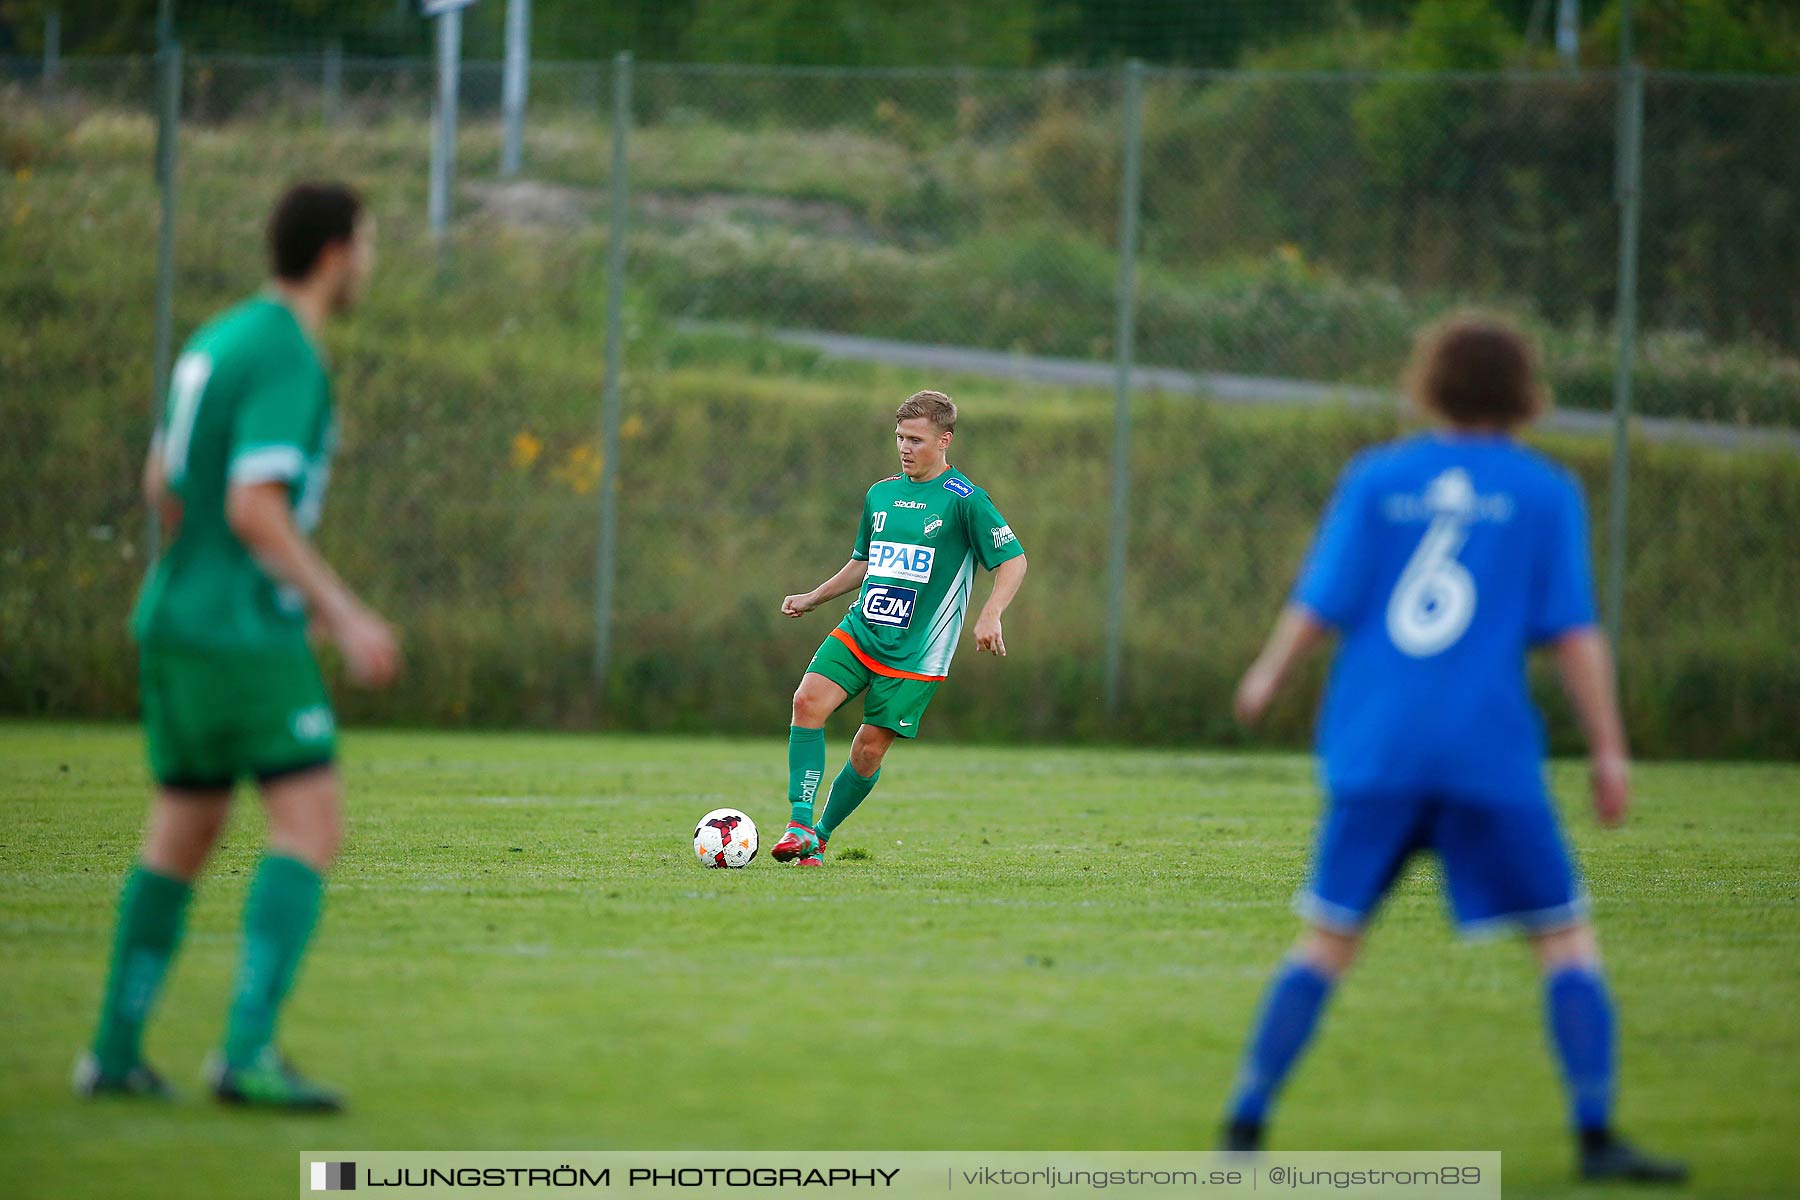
(1037, 948)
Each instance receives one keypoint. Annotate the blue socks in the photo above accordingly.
(1579, 1014)
(1577, 1010)
(1290, 1011)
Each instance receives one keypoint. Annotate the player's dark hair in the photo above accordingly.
(1474, 369)
(308, 218)
(935, 407)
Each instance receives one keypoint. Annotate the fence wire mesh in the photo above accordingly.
(808, 246)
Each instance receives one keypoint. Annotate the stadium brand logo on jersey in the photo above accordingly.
(956, 485)
(1003, 534)
(889, 606)
(1452, 494)
(897, 560)
(932, 525)
(909, 504)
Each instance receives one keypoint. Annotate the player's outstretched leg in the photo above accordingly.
(153, 905)
(1579, 1014)
(853, 784)
(848, 790)
(1290, 1012)
(279, 916)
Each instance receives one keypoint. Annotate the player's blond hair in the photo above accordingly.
(935, 407)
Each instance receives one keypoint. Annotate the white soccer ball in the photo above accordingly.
(725, 837)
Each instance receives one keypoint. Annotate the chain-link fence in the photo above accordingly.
(806, 247)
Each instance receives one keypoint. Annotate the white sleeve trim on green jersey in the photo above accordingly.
(267, 464)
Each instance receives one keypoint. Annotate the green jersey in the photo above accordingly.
(922, 541)
(249, 402)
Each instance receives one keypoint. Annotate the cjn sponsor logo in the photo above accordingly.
(889, 606)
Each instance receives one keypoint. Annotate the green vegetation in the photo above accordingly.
(465, 499)
(519, 952)
(1707, 35)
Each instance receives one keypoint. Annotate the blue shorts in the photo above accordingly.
(1504, 864)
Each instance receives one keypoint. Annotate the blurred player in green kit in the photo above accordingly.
(237, 473)
(923, 532)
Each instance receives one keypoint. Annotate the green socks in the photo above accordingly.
(847, 791)
(151, 912)
(278, 921)
(279, 915)
(806, 768)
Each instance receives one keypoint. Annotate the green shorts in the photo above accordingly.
(895, 703)
(212, 717)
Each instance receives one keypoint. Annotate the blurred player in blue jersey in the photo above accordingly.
(1441, 561)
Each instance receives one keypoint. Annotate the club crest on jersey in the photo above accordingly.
(891, 607)
(956, 485)
(932, 525)
(897, 560)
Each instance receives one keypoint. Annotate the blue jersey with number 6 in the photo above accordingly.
(1442, 559)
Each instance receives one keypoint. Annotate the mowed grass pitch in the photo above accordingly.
(1043, 948)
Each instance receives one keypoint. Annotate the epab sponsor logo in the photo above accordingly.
(889, 606)
(897, 560)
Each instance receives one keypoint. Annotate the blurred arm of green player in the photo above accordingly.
(166, 507)
(261, 515)
(849, 579)
(1007, 578)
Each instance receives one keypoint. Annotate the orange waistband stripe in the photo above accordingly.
(843, 635)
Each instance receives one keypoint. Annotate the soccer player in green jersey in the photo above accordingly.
(237, 472)
(923, 532)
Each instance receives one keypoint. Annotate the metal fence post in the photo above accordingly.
(168, 129)
(52, 45)
(609, 388)
(1568, 33)
(514, 84)
(331, 82)
(443, 145)
(1629, 186)
(1123, 334)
